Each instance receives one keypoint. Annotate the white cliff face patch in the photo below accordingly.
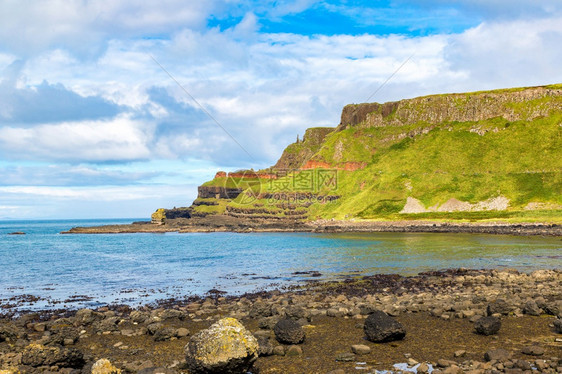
(413, 205)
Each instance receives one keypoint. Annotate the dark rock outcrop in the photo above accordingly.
(487, 325)
(379, 327)
(287, 331)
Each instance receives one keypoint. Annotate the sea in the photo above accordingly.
(44, 269)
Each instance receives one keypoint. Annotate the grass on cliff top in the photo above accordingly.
(521, 161)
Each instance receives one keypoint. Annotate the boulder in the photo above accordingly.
(160, 332)
(531, 308)
(138, 316)
(497, 355)
(554, 308)
(10, 332)
(86, 317)
(288, 331)
(38, 355)
(487, 325)
(266, 348)
(104, 366)
(379, 327)
(225, 347)
(533, 350)
(558, 325)
(499, 306)
(260, 309)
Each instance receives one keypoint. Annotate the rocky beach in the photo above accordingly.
(220, 223)
(476, 321)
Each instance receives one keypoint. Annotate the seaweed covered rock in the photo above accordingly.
(225, 347)
(379, 327)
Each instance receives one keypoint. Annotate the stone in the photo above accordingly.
(558, 325)
(172, 314)
(36, 355)
(296, 313)
(138, 316)
(523, 365)
(445, 363)
(487, 325)
(182, 332)
(337, 371)
(531, 308)
(379, 327)
(533, 350)
(104, 366)
(225, 347)
(288, 331)
(360, 349)
(345, 357)
(293, 350)
(279, 350)
(460, 353)
(500, 306)
(86, 317)
(453, 369)
(9, 332)
(497, 355)
(423, 368)
(265, 346)
(108, 324)
(412, 362)
(260, 309)
(553, 308)
(161, 333)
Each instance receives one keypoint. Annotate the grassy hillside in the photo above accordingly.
(494, 155)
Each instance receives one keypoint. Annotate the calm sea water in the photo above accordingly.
(89, 270)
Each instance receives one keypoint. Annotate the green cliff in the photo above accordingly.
(483, 155)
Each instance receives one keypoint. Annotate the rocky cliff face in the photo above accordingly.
(296, 154)
(512, 105)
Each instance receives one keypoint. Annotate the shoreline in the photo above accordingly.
(230, 224)
(438, 310)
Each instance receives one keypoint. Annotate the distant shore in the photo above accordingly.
(230, 224)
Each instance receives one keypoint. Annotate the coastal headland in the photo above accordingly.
(444, 316)
(482, 162)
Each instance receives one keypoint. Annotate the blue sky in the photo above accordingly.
(91, 126)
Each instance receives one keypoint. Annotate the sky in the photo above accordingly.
(114, 108)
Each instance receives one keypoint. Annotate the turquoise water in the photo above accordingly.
(89, 270)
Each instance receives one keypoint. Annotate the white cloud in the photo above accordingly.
(509, 53)
(83, 25)
(118, 139)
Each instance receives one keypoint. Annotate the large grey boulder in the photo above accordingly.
(379, 327)
(225, 347)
